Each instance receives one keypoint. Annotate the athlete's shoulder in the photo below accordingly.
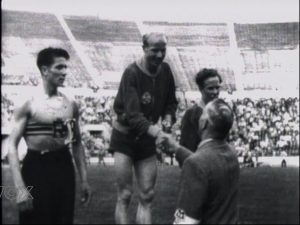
(166, 67)
(130, 72)
(68, 97)
(25, 100)
(131, 67)
(165, 64)
(23, 106)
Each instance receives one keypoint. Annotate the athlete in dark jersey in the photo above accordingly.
(48, 121)
(208, 82)
(146, 92)
(210, 176)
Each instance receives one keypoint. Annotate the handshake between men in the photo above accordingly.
(165, 143)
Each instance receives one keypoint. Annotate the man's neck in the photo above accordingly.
(202, 103)
(152, 69)
(50, 90)
(146, 68)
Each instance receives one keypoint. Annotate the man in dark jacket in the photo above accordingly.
(146, 93)
(208, 81)
(210, 176)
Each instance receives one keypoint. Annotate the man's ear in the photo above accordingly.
(44, 70)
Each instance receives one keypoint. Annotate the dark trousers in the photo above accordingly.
(52, 177)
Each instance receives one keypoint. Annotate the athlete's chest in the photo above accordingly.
(51, 109)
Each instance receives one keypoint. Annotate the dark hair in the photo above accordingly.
(47, 55)
(147, 36)
(221, 117)
(204, 74)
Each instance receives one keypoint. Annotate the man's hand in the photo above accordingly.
(172, 144)
(25, 201)
(161, 141)
(167, 124)
(86, 194)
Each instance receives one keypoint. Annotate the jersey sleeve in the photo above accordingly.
(131, 102)
(171, 103)
(193, 189)
(189, 132)
(182, 154)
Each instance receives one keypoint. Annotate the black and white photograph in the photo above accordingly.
(150, 112)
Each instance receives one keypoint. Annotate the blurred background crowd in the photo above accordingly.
(263, 127)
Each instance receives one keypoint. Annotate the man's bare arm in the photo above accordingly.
(79, 157)
(20, 118)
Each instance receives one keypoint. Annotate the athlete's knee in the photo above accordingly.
(124, 195)
(147, 196)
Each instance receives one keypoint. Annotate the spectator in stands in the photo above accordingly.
(146, 92)
(295, 143)
(86, 153)
(247, 159)
(208, 81)
(100, 149)
(181, 110)
(264, 144)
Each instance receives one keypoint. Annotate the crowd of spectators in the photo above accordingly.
(7, 108)
(9, 79)
(33, 80)
(266, 127)
(94, 110)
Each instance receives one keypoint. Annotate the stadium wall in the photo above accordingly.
(274, 161)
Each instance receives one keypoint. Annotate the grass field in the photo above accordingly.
(267, 195)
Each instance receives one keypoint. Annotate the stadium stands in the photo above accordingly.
(24, 35)
(31, 25)
(193, 34)
(111, 45)
(181, 80)
(269, 126)
(271, 36)
(198, 45)
(111, 58)
(269, 52)
(194, 59)
(94, 29)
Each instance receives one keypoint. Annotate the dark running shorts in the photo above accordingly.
(136, 147)
(52, 177)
